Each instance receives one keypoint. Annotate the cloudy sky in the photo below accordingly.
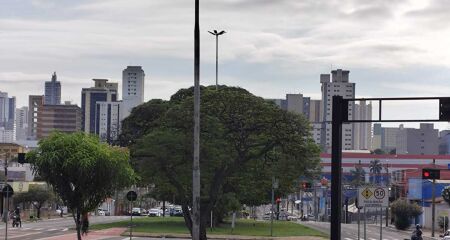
(393, 48)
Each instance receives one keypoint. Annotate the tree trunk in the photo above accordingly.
(164, 208)
(204, 216)
(187, 217)
(38, 212)
(76, 218)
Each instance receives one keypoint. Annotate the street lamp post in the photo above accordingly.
(196, 160)
(217, 34)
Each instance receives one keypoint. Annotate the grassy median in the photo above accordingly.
(175, 225)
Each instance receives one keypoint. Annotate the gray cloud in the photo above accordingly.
(271, 46)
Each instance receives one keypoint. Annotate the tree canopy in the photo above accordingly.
(82, 171)
(244, 142)
(37, 195)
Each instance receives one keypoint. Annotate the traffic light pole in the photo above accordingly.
(336, 168)
(340, 116)
(433, 205)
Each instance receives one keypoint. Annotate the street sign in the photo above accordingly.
(373, 197)
(131, 196)
(7, 191)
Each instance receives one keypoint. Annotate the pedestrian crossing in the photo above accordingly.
(37, 229)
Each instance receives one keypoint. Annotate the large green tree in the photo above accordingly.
(37, 195)
(82, 171)
(245, 141)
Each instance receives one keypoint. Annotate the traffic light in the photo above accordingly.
(21, 158)
(428, 173)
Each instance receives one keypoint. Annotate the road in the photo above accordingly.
(51, 228)
(350, 231)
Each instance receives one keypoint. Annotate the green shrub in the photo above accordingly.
(403, 211)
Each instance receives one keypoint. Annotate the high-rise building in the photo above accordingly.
(64, 118)
(362, 132)
(314, 110)
(107, 120)
(21, 123)
(35, 103)
(133, 78)
(444, 142)
(339, 85)
(384, 138)
(4, 108)
(7, 117)
(6, 136)
(422, 141)
(53, 91)
(101, 92)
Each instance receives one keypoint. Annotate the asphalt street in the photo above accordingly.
(350, 231)
(50, 228)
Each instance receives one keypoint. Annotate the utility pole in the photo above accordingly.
(433, 205)
(196, 163)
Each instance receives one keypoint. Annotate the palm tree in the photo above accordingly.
(375, 167)
(358, 175)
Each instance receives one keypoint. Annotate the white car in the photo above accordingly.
(154, 212)
(100, 212)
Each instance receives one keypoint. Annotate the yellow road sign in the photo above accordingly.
(366, 193)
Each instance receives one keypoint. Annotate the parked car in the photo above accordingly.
(136, 211)
(178, 213)
(154, 212)
(100, 212)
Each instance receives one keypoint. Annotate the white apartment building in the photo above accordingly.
(6, 136)
(103, 91)
(362, 132)
(133, 78)
(339, 85)
(107, 120)
(21, 123)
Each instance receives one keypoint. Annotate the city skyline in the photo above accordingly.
(390, 48)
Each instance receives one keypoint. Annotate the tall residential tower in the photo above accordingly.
(133, 78)
(103, 91)
(53, 91)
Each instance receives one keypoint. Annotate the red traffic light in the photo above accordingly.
(428, 173)
(278, 200)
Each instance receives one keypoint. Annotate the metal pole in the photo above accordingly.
(359, 222)
(6, 212)
(211, 220)
(271, 209)
(381, 223)
(365, 229)
(336, 168)
(433, 205)
(196, 163)
(389, 194)
(131, 223)
(315, 202)
(217, 62)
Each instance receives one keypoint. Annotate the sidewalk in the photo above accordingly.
(220, 237)
(94, 235)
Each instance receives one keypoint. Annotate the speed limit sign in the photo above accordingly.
(373, 197)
